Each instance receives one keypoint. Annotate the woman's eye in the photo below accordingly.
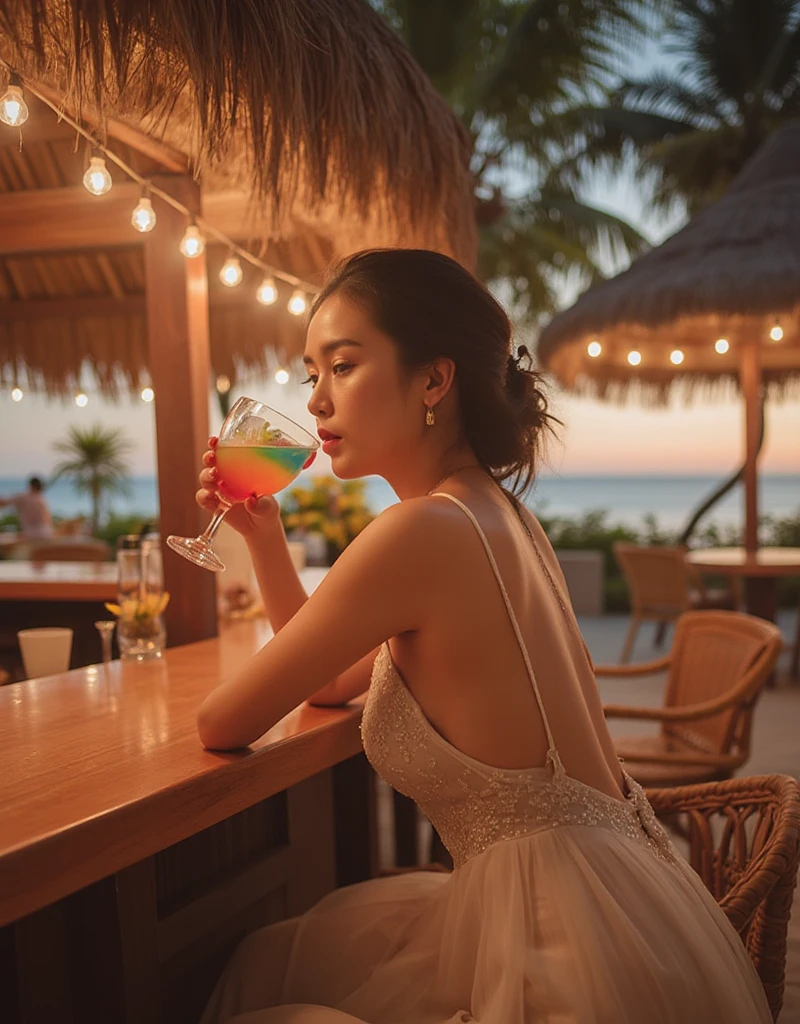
(309, 380)
(341, 367)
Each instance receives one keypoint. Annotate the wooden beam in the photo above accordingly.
(169, 158)
(750, 378)
(71, 309)
(53, 219)
(61, 219)
(178, 347)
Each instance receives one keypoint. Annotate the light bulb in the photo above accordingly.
(776, 334)
(13, 109)
(81, 400)
(298, 303)
(17, 394)
(223, 384)
(97, 179)
(634, 357)
(143, 217)
(192, 243)
(267, 292)
(594, 349)
(281, 376)
(722, 345)
(231, 272)
(148, 394)
(676, 357)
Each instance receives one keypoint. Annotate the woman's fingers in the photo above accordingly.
(206, 499)
(210, 459)
(208, 478)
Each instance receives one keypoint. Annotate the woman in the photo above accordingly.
(567, 902)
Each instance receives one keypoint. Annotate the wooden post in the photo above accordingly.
(751, 390)
(178, 344)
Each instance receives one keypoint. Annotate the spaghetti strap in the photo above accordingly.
(552, 752)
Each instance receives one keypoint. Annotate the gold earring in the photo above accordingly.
(430, 418)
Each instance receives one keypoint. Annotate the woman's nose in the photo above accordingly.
(318, 403)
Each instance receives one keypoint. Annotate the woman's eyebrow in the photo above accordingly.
(331, 346)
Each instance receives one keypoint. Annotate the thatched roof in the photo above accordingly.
(731, 272)
(312, 109)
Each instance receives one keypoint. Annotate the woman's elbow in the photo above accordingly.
(215, 732)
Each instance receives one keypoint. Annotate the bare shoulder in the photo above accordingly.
(423, 527)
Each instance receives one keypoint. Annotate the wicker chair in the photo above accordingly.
(717, 668)
(744, 842)
(663, 585)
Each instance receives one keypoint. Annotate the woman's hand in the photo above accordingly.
(254, 517)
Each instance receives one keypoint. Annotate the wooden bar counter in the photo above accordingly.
(132, 860)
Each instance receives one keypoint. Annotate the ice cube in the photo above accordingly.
(250, 430)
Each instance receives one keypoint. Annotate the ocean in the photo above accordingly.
(627, 499)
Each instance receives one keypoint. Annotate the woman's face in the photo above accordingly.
(369, 411)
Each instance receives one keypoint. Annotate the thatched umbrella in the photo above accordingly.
(309, 117)
(729, 281)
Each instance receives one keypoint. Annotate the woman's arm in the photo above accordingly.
(378, 588)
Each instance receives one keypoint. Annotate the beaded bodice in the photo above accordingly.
(473, 805)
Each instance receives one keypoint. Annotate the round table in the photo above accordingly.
(759, 570)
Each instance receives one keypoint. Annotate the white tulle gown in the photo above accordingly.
(566, 906)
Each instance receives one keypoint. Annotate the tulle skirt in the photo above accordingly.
(572, 925)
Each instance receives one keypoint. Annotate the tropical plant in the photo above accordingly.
(507, 67)
(336, 509)
(95, 463)
(693, 127)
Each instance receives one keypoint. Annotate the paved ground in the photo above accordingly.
(775, 744)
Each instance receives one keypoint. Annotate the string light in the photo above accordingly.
(267, 292)
(97, 180)
(81, 400)
(231, 272)
(17, 394)
(722, 345)
(634, 357)
(298, 303)
(281, 376)
(148, 395)
(192, 243)
(144, 217)
(594, 349)
(676, 357)
(13, 109)
(223, 384)
(776, 334)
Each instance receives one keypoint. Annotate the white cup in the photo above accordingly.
(45, 652)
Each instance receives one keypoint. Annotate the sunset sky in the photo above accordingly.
(598, 438)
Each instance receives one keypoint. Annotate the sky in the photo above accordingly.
(706, 437)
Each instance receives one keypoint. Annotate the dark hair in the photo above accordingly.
(35, 483)
(431, 307)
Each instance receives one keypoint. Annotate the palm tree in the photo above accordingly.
(95, 464)
(505, 67)
(691, 129)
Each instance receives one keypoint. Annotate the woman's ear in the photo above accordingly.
(440, 376)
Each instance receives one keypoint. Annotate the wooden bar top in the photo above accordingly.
(58, 581)
(102, 766)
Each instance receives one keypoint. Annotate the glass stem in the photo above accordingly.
(105, 637)
(213, 526)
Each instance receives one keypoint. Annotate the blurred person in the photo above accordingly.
(32, 511)
(568, 901)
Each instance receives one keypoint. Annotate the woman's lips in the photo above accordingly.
(331, 444)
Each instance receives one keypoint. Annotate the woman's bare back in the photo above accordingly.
(466, 669)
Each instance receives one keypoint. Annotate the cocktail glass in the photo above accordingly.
(260, 451)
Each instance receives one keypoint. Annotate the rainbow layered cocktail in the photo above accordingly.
(258, 469)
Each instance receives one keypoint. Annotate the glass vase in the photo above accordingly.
(141, 633)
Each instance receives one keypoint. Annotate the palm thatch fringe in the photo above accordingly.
(316, 104)
(732, 271)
